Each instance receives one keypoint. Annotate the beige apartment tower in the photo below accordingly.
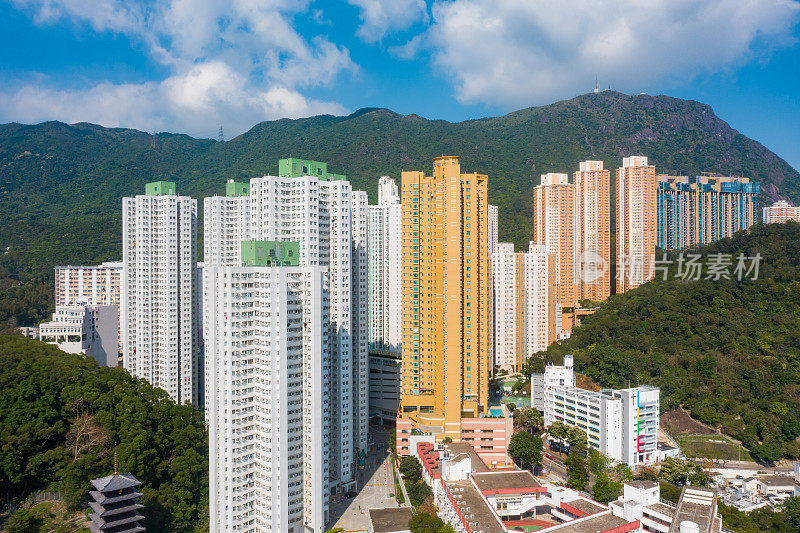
(636, 222)
(446, 356)
(593, 230)
(554, 227)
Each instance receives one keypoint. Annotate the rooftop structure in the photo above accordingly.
(390, 520)
(270, 253)
(159, 188)
(696, 511)
(292, 167)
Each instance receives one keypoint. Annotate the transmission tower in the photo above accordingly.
(221, 136)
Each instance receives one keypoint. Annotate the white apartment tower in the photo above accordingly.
(506, 315)
(539, 300)
(523, 314)
(159, 314)
(328, 220)
(269, 405)
(385, 242)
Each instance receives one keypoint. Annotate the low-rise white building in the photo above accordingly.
(696, 511)
(553, 376)
(622, 424)
(87, 329)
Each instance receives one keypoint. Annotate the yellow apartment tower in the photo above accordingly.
(636, 222)
(446, 284)
(593, 230)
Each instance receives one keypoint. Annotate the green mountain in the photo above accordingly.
(60, 185)
(728, 351)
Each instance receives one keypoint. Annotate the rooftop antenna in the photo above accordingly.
(116, 465)
(221, 137)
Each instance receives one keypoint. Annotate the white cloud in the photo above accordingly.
(379, 17)
(196, 101)
(231, 62)
(523, 52)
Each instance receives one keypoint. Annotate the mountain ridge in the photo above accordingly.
(56, 178)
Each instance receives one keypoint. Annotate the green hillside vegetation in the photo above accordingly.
(61, 185)
(60, 415)
(727, 351)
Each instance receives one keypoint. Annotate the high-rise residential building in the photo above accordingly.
(508, 314)
(593, 230)
(159, 315)
(780, 212)
(91, 285)
(540, 308)
(328, 220)
(703, 209)
(385, 244)
(524, 312)
(636, 222)
(446, 357)
(554, 227)
(493, 231)
(269, 406)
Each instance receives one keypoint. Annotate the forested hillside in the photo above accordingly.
(61, 185)
(727, 351)
(60, 415)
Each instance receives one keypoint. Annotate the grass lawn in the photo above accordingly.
(712, 447)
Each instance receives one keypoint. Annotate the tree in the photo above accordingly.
(411, 469)
(791, 508)
(22, 521)
(528, 419)
(673, 470)
(577, 473)
(425, 523)
(605, 489)
(447, 440)
(526, 450)
(418, 492)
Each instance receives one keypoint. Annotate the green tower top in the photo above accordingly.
(234, 188)
(270, 253)
(291, 167)
(159, 188)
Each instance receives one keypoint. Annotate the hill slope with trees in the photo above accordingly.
(60, 416)
(61, 185)
(727, 351)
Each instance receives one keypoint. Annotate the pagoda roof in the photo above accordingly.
(115, 482)
(104, 499)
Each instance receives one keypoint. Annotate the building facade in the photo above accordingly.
(636, 222)
(385, 242)
(385, 386)
(89, 329)
(524, 309)
(446, 358)
(158, 304)
(593, 230)
(780, 212)
(319, 211)
(92, 285)
(703, 209)
(269, 407)
(554, 228)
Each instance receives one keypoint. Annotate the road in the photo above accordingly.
(375, 484)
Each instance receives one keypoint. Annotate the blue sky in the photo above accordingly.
(190, 65)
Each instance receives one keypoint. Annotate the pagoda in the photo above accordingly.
(116, 506)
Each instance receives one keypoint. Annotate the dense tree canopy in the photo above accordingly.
(726, 350)
(60, 415)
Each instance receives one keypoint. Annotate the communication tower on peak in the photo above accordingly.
(221, 136)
